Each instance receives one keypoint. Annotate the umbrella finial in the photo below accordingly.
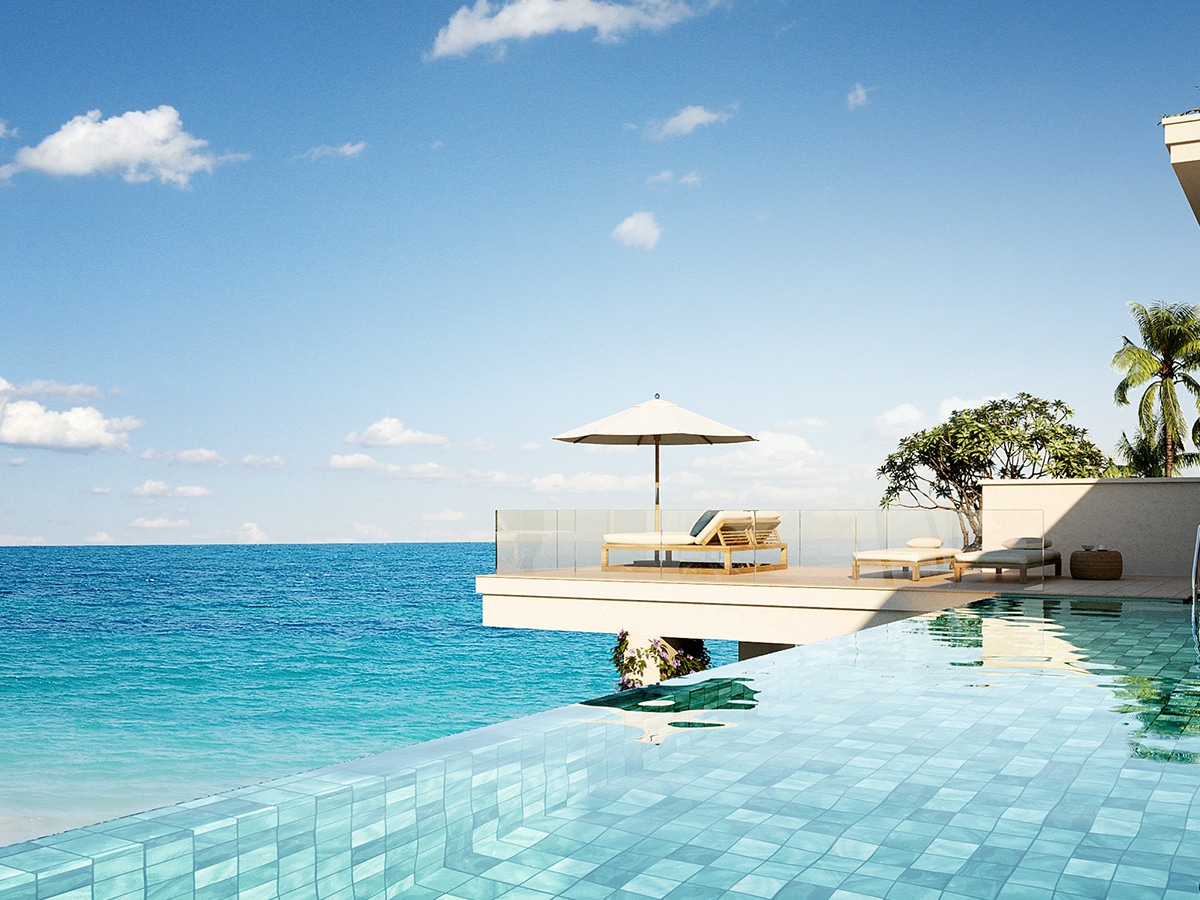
(656, 397)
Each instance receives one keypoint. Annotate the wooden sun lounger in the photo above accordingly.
(910, 559)
(1021, 560)
(727, 533)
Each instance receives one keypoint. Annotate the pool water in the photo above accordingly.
(1011, 748)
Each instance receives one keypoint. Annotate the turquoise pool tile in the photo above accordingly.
(721, 879)
(932, 862)
(976, 888)
(755, 849)
(583, 890)
(1082, 886)
(673, 869)
(128, 884)
(906, 891)
(1012, 891)
(842, 800)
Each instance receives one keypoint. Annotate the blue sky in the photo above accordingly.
(330, 272)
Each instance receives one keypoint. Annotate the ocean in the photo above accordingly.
(134, 677)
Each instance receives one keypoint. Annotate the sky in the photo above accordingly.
(320, 272)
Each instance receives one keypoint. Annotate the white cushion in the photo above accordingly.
(904, 555)
(1001, 558)
(649, 538)
(1028, 543)
(925, 542)
(740, 517)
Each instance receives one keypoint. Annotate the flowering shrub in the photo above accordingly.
(631, 664)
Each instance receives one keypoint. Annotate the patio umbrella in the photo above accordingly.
(655, 422)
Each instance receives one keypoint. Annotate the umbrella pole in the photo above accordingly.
(657, 519)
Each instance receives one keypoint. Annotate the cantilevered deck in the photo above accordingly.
(798, 605)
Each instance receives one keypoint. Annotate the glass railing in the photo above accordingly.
(743, 543)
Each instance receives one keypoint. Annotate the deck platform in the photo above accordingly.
(797, 605)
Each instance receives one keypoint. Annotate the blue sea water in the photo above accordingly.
(132, 677)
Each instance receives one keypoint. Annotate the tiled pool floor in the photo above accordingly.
(1019, 747)
(1013, 749)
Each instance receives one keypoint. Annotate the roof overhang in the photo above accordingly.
(1182, 136)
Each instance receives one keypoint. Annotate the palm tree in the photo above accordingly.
(1145, 456)
(1168, 354)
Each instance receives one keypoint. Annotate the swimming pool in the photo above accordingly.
(1013, 748)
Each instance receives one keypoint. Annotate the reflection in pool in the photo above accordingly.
(654, 709)
(1135, 649)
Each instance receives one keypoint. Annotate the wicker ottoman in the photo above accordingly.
(1096, 565)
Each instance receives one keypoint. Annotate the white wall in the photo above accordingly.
(1152, 521)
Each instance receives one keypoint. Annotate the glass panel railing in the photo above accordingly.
(747, 543)
(752, 545)
(528, 540)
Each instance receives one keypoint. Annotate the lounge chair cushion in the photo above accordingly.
(902, 555)
(763, 520)
(931, 542)
(1028, 543)
(705, 518)
(650, 537)
(1011, 557)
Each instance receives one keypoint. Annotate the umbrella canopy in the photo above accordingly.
(655, 422)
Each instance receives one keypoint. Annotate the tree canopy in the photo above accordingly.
(1168, 354)
(1145, 456)
(1026, 437)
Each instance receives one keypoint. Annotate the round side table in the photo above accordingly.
(1096, 565)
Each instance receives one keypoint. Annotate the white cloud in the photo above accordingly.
(369, 533)
(249, 533)
(390, 432)
(18, 461)
(495, 478)
(6, 131)
(262, 462)
(363, 462)
(340, 150)
(101, 491)
(42, 389)
(857, 97)
(782, 470)
(197, 457)
(590, 483)
(26, 423)
(666, 176)
(639, 230)
(151, 488)
(142, 146)
(776, 454)
(161, 522)
(899, 421)
(351, 461)
(446, 515)
(530, 446)
(686, 121)
(488, 23)
(905, 418)
(100, 537)
(477, 445)
(951, 404)
(20, 540)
